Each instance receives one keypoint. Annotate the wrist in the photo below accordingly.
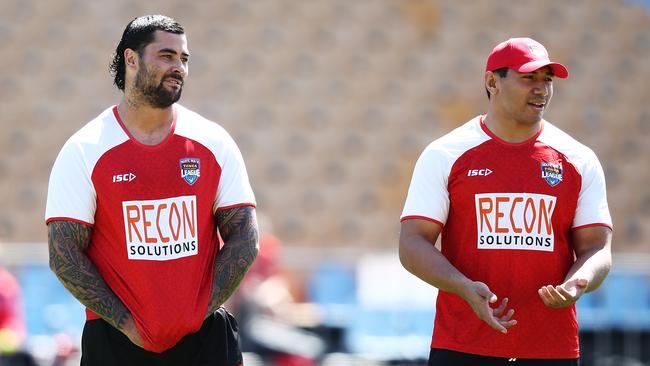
(462, 287)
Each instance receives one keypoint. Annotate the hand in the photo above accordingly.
(131, 331)
(563, 295)
(479, 297)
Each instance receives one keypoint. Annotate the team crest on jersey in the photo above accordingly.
(552, 173)
(190, 170)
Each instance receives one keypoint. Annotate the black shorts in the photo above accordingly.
(444, 357)
(215, 344)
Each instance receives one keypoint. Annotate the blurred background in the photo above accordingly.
(331, 102)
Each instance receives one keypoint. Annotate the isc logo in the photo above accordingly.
(476, 172)
(127, 177)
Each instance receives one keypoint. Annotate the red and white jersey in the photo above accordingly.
(151, 208)
(507, 212)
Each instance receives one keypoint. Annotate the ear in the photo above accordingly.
(131, 59)
(491, 83)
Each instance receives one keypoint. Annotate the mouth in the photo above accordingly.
(538, 105)
(174, 82)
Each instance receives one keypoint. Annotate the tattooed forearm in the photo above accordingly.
(67, 243)
(238, 229)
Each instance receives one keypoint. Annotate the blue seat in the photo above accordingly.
(390, 334)
(627, 300)
(332, 283)
(591, 311)
(49, 307)
(332, 286)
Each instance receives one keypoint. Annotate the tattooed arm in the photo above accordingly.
(238, 229)
(68, 242)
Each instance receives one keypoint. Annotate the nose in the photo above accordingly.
(542, 88)
(180, 68)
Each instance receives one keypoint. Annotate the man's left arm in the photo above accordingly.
(238, 229)
(592, 246)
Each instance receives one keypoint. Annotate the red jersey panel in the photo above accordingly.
(507, 212)
(154, 239)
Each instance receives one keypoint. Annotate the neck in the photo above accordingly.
(509, 129)
(146, 124)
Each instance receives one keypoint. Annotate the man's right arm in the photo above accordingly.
(418, 255)
(68, 242)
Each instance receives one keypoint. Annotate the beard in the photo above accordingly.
(156, 96)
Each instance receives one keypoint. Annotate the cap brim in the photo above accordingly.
(558, 69)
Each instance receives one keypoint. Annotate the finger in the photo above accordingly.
(501, 307)
(509, 323)
(557, 295)
(543, 294)
(555, 299)
(496, 325)
(507, 317)
(552, 294)
(571, 295)
(485, 314)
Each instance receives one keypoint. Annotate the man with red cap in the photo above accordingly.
(522, 212)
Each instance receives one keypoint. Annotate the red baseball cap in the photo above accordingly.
(523, 55)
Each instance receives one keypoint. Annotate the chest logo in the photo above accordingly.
(190, 170)
(126, 177)
(479, 172)
(161, 230)
(552, 173)
(520, 221)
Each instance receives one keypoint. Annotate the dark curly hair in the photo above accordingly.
(137, 35)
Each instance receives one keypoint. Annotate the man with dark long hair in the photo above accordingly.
(136, 200)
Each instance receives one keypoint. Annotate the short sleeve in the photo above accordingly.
(234, 186)
(428, 197)
(71, 194)
(592, 208)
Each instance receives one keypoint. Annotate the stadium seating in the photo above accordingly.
(334, 97)
(331, 103)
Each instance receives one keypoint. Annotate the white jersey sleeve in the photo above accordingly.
(428, 197)
(592, 206)
(70, 194)
(234, 186)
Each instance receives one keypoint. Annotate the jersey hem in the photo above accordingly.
(91, 315)
(47, 221)
(417, 217)
(236, 205)
(490, 352)
(610, 226)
